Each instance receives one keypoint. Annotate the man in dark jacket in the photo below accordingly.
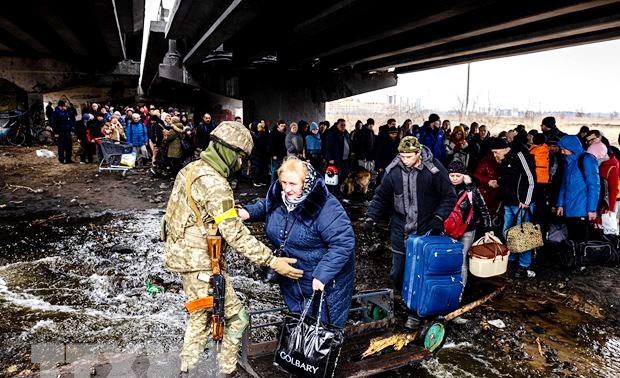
(63, 124)
(549, 128)
(277, 147)
(517, 178)
(338, 150)
(365, 143)
(384, 129)
(418, 193)
(49, 111)
(323, 129)
(387, 149)
(203, 131)
(478, 146)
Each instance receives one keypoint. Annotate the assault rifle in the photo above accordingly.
(218, 286)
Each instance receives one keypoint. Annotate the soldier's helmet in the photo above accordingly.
(233, 135)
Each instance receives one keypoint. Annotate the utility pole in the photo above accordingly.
(467, 94)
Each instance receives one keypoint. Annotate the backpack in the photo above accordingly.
(603, 197)
(454, 225)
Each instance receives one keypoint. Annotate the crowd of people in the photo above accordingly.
(163, 139)
(517, 169)
(517, 176)
(422, 172)
(546, 175)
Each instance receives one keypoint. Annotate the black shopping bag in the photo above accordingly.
(307, 347)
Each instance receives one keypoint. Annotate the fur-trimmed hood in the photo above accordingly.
(178, 127)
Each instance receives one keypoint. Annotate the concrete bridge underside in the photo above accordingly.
(277, 59)
(285, 59)
(48, 47)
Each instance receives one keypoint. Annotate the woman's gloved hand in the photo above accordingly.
(282, 265)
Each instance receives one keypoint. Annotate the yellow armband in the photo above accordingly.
(227, 214)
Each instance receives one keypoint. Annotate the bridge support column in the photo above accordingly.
(276, 95)
(297, 95)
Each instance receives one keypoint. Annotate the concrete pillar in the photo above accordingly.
(296, 95)
(276, 95)
(172, 57)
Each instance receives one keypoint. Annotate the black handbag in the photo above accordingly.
(186, 145)
(267, 272)
(307, 347)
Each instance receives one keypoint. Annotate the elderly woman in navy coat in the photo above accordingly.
(311, 226)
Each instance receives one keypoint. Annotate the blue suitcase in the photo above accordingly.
(432, 281)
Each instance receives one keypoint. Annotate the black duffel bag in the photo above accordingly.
(576, 253)
(307, 347)
(596, 249)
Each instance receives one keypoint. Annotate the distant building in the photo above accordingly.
(355, 106)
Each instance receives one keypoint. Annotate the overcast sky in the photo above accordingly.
(582, 78)
(151, 7)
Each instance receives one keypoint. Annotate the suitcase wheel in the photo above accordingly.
(432, 335)
(378, 312)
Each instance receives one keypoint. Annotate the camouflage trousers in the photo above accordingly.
(199, 331)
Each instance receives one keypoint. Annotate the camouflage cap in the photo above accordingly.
(409, 144)
(233, 135)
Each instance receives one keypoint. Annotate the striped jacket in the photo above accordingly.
(517, 176)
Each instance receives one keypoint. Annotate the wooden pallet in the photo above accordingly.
(357, 339)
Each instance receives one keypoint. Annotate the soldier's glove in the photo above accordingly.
(436, 226)
(368, 226)
(282, 265)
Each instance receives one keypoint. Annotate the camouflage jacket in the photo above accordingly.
(185, 249)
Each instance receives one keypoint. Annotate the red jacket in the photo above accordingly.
(488, 169)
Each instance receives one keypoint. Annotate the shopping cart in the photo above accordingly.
(110, 154)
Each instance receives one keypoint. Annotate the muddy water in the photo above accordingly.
(81, 282)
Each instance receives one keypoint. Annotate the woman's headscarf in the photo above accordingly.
(309, 181)
(599, 150)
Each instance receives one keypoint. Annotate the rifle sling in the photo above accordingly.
(201, 225)
(192, 203)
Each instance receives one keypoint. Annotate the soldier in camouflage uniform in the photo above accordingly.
(186, 251)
